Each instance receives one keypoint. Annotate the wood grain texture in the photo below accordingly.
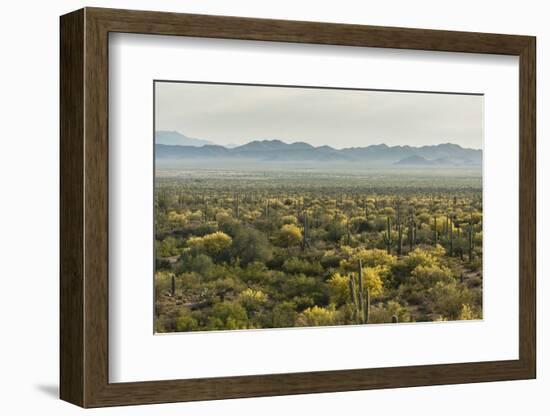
(84, 207)
(96, 208)
(527, 208)
(71, 158)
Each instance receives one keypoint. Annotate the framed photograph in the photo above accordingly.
(254, 207)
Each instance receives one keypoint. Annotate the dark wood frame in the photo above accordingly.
(84, 207)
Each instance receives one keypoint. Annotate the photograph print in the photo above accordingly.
(294, 206)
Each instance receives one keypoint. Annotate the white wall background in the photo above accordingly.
(29, 209)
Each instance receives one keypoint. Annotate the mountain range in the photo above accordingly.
(440, 155)
(174, 138)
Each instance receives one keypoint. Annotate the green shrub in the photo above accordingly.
(186, 323)
(384, 312)
(228, 315)
(283, 315)
(295, 265)
(446, 299)
(317, 316)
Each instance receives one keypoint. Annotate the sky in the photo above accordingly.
(237, 114)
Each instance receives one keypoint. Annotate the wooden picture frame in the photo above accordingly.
(84, 207)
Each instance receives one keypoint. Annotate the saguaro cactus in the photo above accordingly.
(388, 241)
(451, 237)
(360, 296)
(173, 286)
(237, 206)
(353, 295)
(305, 237)
(412, 227)
(460, 247)
(399, 238)
(366, 305)
(470, 242)
(435, 231)
(348, 233)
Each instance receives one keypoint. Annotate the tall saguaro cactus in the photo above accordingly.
(470, 242)
(388, 241)
(435, 231)
(353, 295)
(237, 206)
(399, 238)
(412, 228)
(360, 296)
(305, 237)
(173, 286)
(366, 304)
(451, 236)
(348, 232)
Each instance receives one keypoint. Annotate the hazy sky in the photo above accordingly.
(237, 114)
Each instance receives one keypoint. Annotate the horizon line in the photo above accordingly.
(234, 145)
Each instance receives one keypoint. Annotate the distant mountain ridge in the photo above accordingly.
(174, 138)
(445, 154)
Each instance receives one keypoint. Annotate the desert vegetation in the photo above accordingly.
(252, 249)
